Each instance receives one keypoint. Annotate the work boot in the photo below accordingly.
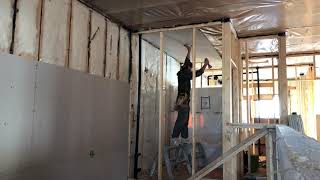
(175, 141)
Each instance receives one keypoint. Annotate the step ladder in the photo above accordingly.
(174, 156)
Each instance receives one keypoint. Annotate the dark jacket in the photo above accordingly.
(184, 78)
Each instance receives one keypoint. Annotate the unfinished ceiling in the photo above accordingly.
(174, 42)
(248, 16)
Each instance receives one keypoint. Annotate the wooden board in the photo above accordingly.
(112, 59)
(124, 55)
(6, 17)
(54, 38)
(26, 42)
(97, 44)
(133, 101)
(282, 80)
(229, 167)
(78, 58)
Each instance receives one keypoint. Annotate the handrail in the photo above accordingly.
(229, 154)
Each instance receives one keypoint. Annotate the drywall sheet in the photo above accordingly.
(298, 155)
(97, 44)
(78, 58)
(78, 115)
(6, 17)
(150, 104)
(55, 31)
(112, 51)
(26, 41)
(56, 122)
(17, 78)
(124, 55)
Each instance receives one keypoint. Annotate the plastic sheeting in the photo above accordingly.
(300, 18)
(208, 130)
(298, 155)
(249, 17)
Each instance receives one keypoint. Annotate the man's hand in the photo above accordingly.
(206, 62)
(188, 47)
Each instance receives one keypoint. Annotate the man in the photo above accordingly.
(183, 98)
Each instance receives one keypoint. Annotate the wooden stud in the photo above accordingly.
(273, 87)
(247, 83)
(193, 99)
(282, 80)
(229, 167)
(161, 109)
(269, 154)
(314, 68)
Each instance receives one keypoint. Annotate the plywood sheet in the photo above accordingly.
(124, 55)
(55, 31)
(26, 42)
(78, 58)
(112, 59)
(6, 17)
(97, 45)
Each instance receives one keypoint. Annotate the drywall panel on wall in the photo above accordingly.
(17, 78)
(64, 124)
(112, 59)
(27, 31)
(55, 31)
(6, 18)
(78, 58)
(97, 45)
(77, 116)
(124, 55)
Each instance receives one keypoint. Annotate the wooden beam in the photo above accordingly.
(314, 67)
(194, 126)
(282, 80)
(161, 109)
(253, 126)
(180, 28)
(229, 168)
(276, 54)
(228, 155)
(269, 155)
(273, 84)
(247, 82)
